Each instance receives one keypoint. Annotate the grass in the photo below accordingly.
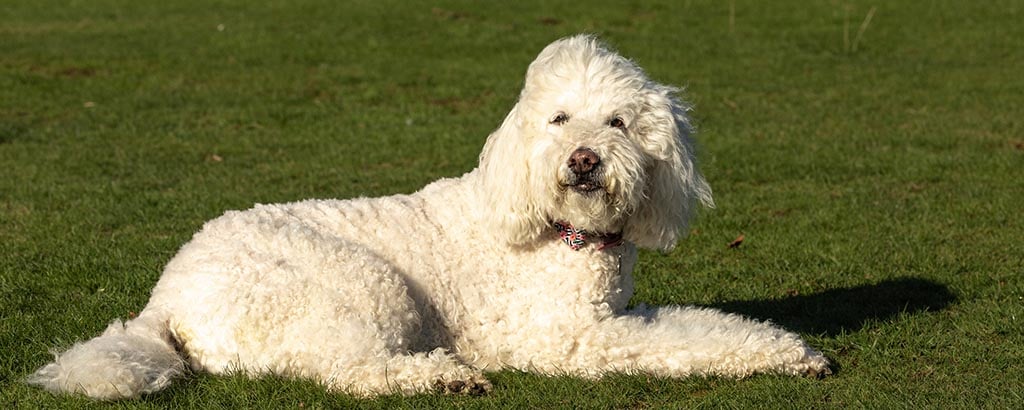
(874, 165)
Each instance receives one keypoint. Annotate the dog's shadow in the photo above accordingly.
(831, 312)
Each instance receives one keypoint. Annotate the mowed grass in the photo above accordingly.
(875, 168)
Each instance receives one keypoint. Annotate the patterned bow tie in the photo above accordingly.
(576, 238)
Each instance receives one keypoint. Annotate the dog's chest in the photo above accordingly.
(587, 281)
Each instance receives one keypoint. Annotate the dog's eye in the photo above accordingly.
(560, 118)
(617, 123)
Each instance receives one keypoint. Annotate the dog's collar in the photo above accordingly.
(576, 238)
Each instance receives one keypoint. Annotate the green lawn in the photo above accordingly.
(874, 166)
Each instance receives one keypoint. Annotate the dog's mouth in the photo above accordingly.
(585, 187)
(584, 184)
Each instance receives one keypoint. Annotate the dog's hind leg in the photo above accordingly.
(360, 344)
(406, 373)
(299, 304)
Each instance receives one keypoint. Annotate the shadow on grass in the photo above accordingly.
(833, 311)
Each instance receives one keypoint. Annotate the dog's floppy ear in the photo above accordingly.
(507, 183)
(675, 186)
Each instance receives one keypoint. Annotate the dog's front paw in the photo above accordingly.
(816, 373)
(473, 386)
(815, 365)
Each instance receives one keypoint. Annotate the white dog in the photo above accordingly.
(524, 262)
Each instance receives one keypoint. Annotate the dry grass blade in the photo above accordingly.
(863, 27)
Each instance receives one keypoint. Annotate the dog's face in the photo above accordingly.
(594, 143)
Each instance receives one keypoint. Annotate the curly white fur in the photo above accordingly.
(411, 292)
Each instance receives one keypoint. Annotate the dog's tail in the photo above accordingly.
(127, 360)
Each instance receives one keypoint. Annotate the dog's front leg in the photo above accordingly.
(681, 341)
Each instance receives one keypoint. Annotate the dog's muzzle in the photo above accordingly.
(584, 165)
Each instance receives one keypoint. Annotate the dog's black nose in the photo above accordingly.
(583, 160)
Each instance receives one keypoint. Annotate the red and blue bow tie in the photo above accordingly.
(577, 238)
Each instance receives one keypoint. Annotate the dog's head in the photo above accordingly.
(593, 142)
